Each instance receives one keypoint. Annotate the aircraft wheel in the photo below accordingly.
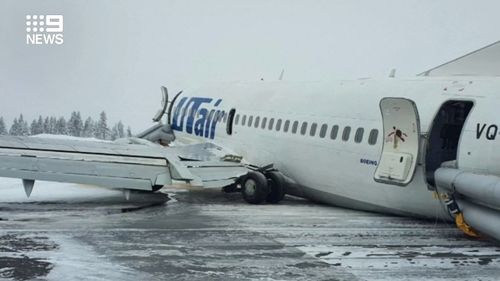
(276, 184)
(254, 188)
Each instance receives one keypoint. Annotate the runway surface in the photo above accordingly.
(72, 232)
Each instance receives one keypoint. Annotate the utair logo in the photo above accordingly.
(44, 29)
(198, 116)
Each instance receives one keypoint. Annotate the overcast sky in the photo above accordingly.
(116, 54)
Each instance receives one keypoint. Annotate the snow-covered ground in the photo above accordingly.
(74, 232)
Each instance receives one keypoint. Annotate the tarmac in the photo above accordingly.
(73, 232)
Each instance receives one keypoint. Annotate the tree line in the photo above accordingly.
(74, 126)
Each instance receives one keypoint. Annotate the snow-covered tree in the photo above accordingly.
(3, 129)
(121, 129)
(102, 130)
(88, 128)
(129, 132)
(37, 126)
(23, 126)
(46, 125)
(114, 132)
(52, 125)
(75, 124)
(14, 129)
(61, 127)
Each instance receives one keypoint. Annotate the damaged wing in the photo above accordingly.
(127, 163)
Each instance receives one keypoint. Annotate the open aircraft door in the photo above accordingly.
(398, 160)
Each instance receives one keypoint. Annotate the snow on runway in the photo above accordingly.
(73, 232)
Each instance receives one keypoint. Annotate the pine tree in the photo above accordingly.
(88, 128)
(46, 126)
(121, 129)
(75, 124)
(3, 129)
(114, 132)
(39, 124)
(14, 129)
(129, 132)
(23, 126)
(61, 127)
(102, 130)
(53, 125)
(33, 127)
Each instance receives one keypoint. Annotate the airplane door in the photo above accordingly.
(398, 160)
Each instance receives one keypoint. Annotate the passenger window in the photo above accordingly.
(303, 129)
(359, 135)
(346, 134)
(237, 119)
(287, 125)
(322, 132)
(271, 123)
(257, 120)
(295, 127)
(264, 121)
(278, 125)
(372, 139)
(223, 114)
(334, 132)
(314, 126)
(250, 119)
(243, 120)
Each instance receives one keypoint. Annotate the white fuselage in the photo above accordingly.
(340, 171)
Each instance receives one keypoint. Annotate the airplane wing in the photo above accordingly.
(127, 163)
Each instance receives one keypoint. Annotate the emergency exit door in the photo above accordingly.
(398, 160)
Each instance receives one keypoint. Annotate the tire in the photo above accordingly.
(276, 184)
(254, 188)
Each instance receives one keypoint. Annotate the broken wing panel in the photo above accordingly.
(106, 164)
(128, 163)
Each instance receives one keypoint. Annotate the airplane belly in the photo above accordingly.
(342, 178)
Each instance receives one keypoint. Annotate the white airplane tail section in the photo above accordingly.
(482, 62)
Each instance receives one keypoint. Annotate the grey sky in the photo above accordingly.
(116, 54)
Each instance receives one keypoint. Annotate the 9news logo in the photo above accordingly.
(44, 29)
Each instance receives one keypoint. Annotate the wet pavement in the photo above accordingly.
(71, 232)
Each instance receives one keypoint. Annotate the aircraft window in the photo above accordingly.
(295, 127)
(224, 116)
(264, 121)
(271, 123)
(334, 132)
(278, 124)
(250, 119)
(359, 135)
(372, 139)
(237, 119)
(312, 133)
(346, 133)
(322, 132)
(257, 120)
(243, 120)
(303, 129)
(287, 125)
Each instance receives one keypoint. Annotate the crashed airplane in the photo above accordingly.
(426, 146)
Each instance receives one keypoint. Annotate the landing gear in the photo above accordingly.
(276, 184)
(254, 188)
(257, 187)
